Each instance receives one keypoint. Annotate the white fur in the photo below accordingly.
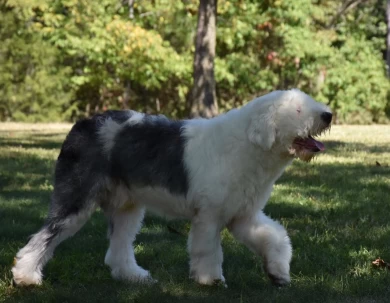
(135, 118)
(120, 255)
(268, 239)
(204, 247)
(29, 262)
(111, 128)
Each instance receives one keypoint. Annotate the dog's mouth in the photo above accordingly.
(309, 144)
(306, 148)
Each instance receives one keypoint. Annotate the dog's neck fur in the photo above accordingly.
(232, 127)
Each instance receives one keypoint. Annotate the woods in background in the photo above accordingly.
(65, 59)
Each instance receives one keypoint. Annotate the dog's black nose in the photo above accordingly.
(326, 117)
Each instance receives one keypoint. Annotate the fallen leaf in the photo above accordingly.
(380, 263)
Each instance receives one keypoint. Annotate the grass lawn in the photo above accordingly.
(336, 210)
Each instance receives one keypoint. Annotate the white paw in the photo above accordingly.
(278, 273)
(208, 279)
(133, 274)
(24, 278)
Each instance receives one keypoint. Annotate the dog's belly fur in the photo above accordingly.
(231, 201)
(160, 201)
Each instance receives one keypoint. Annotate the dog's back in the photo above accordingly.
(81, 164)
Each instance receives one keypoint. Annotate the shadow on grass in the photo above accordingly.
(339, 146)
(35, 140)
(20, 174)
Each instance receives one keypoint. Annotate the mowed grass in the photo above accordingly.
(336, 210)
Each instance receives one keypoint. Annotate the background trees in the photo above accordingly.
(64, 59)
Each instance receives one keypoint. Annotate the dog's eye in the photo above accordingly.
(298, 110)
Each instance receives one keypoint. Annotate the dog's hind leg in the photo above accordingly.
(31, 259)
(204, 246)
(269, 239)
(124, 225)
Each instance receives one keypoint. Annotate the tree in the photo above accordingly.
(388, 38)
(203, 100)
(33, 83)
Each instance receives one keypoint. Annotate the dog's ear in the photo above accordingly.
(262, 130)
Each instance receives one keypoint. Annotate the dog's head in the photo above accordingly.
(288, 121)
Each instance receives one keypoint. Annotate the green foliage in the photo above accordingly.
(33, 86)
(63, 59)
(294, 44)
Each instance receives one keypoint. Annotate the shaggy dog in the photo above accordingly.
(217, 173)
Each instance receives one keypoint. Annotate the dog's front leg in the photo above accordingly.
(204, 247)
(269, 239)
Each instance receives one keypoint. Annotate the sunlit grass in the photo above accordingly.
(336, 210)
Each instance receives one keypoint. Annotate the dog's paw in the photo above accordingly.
(26, 278)
(138, 275)
(220, 283)
(278, 274)
(208, 279)
(279, 281)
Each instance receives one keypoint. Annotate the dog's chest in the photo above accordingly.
(251, 189)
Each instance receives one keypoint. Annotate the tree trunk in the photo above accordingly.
(203, 100)
(388, 38)
(131, 9)
(126, 95)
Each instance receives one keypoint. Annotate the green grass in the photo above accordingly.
(336, 210)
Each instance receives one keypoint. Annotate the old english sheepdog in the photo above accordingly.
(215, 172)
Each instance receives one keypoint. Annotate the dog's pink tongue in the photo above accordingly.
(311, 142)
